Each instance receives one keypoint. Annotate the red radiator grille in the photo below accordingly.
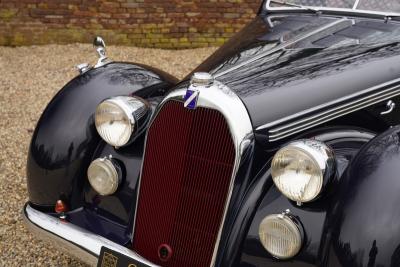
(187, 170)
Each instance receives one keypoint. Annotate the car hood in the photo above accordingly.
(285, 67)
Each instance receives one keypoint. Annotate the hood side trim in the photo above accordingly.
(307, 119)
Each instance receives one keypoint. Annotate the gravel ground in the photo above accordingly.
(29, 78)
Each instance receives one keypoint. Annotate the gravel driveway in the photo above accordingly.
(29, 78)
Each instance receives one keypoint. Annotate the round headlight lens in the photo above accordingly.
(280, 236)
(113, 123)
(299, 169)
(103, 176)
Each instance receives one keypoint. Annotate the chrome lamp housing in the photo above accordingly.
(302, 169)
(119, 119)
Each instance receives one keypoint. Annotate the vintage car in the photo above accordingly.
(281, 149)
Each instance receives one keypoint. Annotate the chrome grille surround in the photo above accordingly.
(221, 98)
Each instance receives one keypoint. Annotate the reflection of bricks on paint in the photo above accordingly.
(148, 23)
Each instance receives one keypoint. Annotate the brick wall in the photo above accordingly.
(147, 23)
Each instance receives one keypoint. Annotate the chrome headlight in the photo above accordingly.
(104, 176)
(301, 169)
(118, 118)
(281, 235)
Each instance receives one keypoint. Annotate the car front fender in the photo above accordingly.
(65, 136)
(365, 219)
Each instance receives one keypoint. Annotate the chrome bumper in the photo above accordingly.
(72, 239)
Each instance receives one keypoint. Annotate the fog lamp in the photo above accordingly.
(118, 118)
(302, 168)
(281, 235)
(104, 176)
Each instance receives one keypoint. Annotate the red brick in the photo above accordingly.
(149, 23)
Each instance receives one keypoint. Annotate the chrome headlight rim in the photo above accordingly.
(134, 108)
(113, 167)
(292, 223)
(122, 103)
(322, 156)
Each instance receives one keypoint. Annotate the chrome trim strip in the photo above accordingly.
(72, 239)
(339, 108)
(221, 98)
(335, 102)
(346, 11)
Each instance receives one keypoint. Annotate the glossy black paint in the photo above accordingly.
(242, 220)
(364, 221)
(264, 65)
(97, 223)
(263, 199)
(119, 206)
(336, 62)
(323, 67)
(65, 137)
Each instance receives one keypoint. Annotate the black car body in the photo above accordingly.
(195, 181)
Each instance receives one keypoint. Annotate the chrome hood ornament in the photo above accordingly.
(198, 81)
(100, 46)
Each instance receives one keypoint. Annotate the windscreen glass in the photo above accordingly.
(380, 5)
(389, 6)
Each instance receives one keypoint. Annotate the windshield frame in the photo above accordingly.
(345, 11)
